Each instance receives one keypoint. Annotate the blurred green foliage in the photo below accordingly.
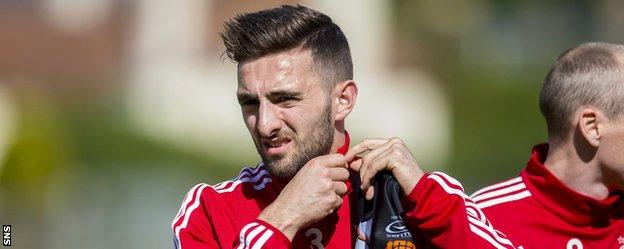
(495, 124)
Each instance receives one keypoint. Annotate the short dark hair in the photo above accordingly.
(589, 74)
(253, 35)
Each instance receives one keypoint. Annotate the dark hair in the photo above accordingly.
(589, 74)
(253, 35)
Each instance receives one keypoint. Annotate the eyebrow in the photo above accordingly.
(242, 96)
(280, 93)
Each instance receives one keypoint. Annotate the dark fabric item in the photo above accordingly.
(385, 210)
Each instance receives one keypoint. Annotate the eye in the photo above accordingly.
(249, 102)
(282, 99)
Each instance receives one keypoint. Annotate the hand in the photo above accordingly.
(315, 192)
(374, 155)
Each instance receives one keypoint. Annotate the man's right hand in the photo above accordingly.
(314, 192)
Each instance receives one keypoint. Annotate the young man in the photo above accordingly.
(295, 89)
(571, 193)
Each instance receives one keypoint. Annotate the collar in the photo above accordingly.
(564, 202)
(345, 146)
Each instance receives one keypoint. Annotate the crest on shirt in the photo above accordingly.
(396, 228)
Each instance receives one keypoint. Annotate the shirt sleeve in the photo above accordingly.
(439, 211)
(193, 228)
(259, 234)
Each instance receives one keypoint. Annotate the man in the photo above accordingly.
(571, 193)
(295, 89)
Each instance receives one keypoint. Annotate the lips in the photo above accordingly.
(275, 147)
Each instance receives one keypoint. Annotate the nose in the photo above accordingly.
(269, 121)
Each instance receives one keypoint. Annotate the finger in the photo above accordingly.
(380, 163)
(361, 235)
(372, 157)
(340, 188)
(333, 160)
(339, 174)
(370, 193)
(338, 201)
(366, 144)
(355, 164)
(362, 154)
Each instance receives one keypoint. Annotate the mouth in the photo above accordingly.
(275, 147)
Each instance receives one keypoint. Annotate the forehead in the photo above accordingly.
(285, 70)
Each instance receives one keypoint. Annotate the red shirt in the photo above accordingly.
(536, 210)
(438, 213)
(224, 216)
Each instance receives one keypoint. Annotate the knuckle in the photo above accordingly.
(331, 201)
(324, 172)
(344, 172)
(340, 158)
(397, 153)
(343, 186)
(338, 201)
(397, 146)
(326, 185)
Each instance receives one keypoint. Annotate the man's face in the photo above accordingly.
(287, 109)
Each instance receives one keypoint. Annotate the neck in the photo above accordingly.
(339, 137)
(583, 176)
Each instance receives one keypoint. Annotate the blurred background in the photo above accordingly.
(110, 110)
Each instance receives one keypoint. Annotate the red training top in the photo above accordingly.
(438, 213)
(536, 210)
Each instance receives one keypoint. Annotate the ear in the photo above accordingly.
(345, 93)
(590, 123)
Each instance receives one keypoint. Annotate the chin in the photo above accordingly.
(282, 168)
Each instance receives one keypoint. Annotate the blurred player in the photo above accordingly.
(570, 195)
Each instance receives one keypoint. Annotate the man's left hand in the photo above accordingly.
(391, 154)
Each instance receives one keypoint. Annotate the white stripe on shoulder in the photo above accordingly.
(499, 192)
(489, 229)
(187, 198)
(244, 172)
(485, 236)
(261, 185)
(449, 179)
(446, 187)
(504, 199)
(188, 214)
(497, 185)
(258, 176)
(476, 219)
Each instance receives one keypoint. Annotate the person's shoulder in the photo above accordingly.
(250, 178)
(502, 194)
(253, 178)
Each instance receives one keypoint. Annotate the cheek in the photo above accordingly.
(612, 151)
(250, 122)
(297, 118)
